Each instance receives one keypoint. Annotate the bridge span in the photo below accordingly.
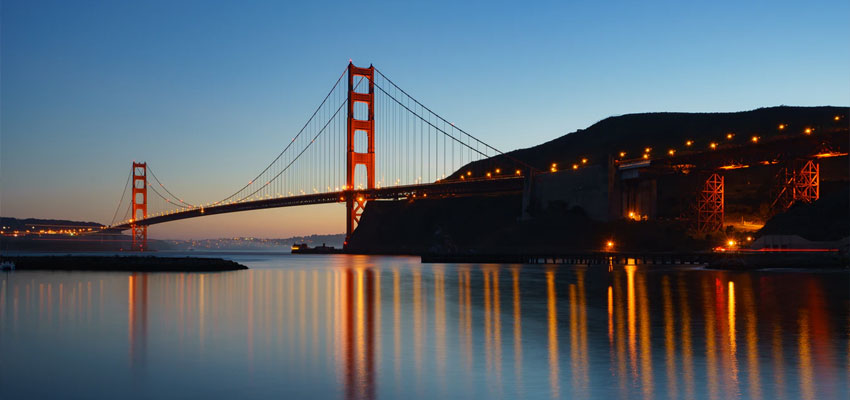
(386, 145)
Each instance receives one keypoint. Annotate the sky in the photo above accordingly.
(209, 92)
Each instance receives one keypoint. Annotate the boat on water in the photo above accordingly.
(7, 266)
(303, 248)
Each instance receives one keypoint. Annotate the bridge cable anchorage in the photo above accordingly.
(302, 151)
(530, 167)
(123, 194)
(290, 143)
(166, 189)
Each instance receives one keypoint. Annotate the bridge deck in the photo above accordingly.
(494, 186)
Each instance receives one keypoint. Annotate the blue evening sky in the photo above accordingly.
(208, 92)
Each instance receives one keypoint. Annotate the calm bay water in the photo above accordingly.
(389, 327)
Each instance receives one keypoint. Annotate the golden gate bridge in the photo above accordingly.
(334, 158)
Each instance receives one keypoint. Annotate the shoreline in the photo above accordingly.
(131, 263)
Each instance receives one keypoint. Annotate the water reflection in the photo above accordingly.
(365, 328)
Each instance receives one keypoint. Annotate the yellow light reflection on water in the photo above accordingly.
(396, 326)
(552, 318)
(418, 326)
(733, 345)
(687, 351)
(610, 316)
(669, 338)
(497, 330)
(645, 345)
(517, 331)
(630, 307)
(440, 324)
(807, 389)
(750, 316)
(710, 347)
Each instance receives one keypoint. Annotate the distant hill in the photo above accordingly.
(631, 133)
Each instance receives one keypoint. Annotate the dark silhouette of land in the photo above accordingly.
(498, 225)
(123, 263)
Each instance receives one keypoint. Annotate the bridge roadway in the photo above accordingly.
(770, 151)
(491, 186)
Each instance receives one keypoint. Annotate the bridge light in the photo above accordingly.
(609, 244)
(749, 238)
(730, 135)
(498, 170)
(518, 172)
(647, 150)
(462, 177)
(584, 161)
(488, 175)
(837, 118)
(755, 139)
(622, 154)
(731, 243)
(671, 152)
(646, 156)
(781, 126)
(808, 131)
(713, 145)
(689, 143)
(575, 166)
(468, 173)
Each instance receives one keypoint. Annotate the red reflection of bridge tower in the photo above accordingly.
(140, 206)
(355, 202)
(710, 205)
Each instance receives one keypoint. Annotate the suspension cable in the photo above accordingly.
(453, 125)
(123, 194)
(429, 122)
(344, 102)
(163, 197)
(166, 189)
(290, 143)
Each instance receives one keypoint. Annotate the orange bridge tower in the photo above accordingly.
(140, 206)
(355, 201)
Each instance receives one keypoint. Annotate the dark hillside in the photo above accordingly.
(631, 133)
(492, 225)
(827, 219)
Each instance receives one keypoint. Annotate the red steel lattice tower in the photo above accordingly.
(140, 206)
(356, 202)
(710, 205)
(800, 182)
(806, 181)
